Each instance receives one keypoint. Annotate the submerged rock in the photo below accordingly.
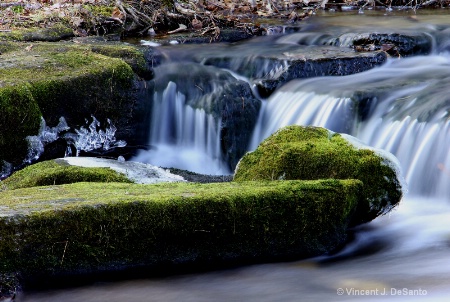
(297, 152)
(136, 172)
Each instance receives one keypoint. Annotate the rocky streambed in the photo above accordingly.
(81, 78)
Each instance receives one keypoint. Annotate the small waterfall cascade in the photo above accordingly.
(182, 136)
(401, 107)
(303, 108)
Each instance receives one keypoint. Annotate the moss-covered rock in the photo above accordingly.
(53, 34)
(19, 117)
(65, 79)
(57, 172)
(85, 227)
(298, 152)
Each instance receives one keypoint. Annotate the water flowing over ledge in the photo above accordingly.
(401, 107)
(183, 136)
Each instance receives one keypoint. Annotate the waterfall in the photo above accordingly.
(182, 136)
(303, 108)
(402, 107)
(406, 113)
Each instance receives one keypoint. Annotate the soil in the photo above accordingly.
(206, 18)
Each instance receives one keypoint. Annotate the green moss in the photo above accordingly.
(55, 173)
(55, 33)
(53, 80)
(20, 117)
(131, 55)
(7, 47)
(297, 152)
(46, 61)
(87, 227)
(100, 10)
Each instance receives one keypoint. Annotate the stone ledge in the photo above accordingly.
(85, 228)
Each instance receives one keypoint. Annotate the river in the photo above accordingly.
(402, 256)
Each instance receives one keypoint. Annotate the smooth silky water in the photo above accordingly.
(402, 256)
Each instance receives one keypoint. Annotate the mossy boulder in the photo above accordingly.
(87, 227)
(71, 80)
(297, 152)
(56, 172)
(52, 34)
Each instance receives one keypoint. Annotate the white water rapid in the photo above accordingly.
(406, 115)
(402, 107)
(182, 136)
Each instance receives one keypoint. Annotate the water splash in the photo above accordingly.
(93, 137)
(45, 136)
(84, 139)
(6, 169)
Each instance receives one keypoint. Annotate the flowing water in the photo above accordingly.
(401, 106)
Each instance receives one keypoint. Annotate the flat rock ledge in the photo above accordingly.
(52, 232)
(287, 62)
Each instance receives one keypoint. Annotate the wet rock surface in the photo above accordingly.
(395, 44)
(272, 67)
(220, 94)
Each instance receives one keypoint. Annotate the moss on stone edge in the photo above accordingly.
(53, 34)
(297, 152)
(53, 80)
(87, 227)
(56, 173)
(19, 118)
(132, 55)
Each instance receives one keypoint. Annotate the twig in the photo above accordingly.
(64, 253)
(429, 2)
(114, 19)
(181, 28)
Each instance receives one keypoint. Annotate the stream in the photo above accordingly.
(402, 107)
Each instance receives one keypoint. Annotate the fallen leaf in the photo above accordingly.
(117, 14)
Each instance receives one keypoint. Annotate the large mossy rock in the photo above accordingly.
(297, 152)
(56, 33)
(71, 80)
(87, 228)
